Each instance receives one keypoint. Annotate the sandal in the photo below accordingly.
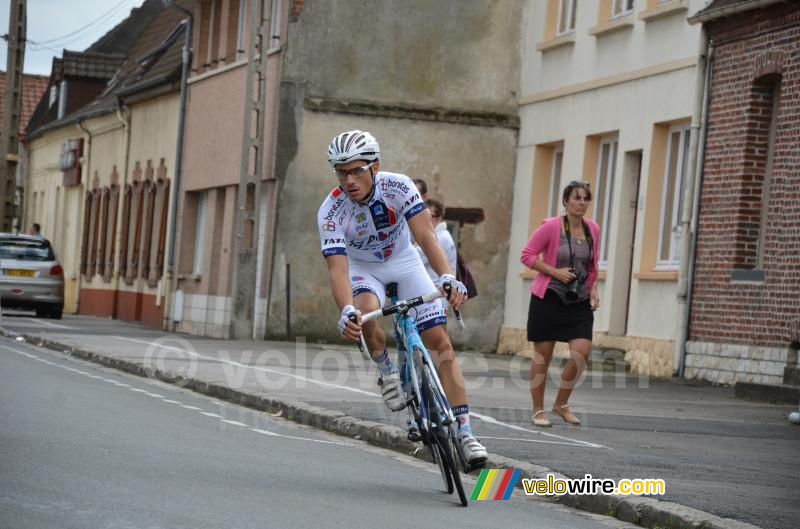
(566, 413)
(540, 418)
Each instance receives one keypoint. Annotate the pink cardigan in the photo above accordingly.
(545, 240)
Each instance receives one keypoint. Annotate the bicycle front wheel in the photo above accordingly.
(440, 440)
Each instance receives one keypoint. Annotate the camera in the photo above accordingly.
(574, 285)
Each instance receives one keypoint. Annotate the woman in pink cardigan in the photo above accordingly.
(563, 250)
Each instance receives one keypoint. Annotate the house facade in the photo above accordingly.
(100, 170)
(744, 319)
(212, 167)
(607, 96)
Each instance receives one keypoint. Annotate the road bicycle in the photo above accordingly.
(432, 420)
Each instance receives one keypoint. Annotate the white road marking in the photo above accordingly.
(485, 418)
(247, 366)
(235, 423)
(482, 437)
(208, 414)
(51, 324)
(273, 434)
(492, 420)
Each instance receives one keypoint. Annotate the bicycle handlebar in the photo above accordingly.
(408, 303)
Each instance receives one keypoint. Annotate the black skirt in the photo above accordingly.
(549, 319)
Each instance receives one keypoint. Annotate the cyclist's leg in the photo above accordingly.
(369, 293)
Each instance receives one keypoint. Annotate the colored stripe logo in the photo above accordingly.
(495, 484)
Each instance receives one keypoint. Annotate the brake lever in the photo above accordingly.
(459, 320)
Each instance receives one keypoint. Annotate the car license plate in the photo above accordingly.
(18, 273)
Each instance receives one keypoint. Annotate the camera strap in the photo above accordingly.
(588, 235)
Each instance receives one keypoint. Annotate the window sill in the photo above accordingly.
(193, 277)
(747, 276)
(563, 40)
(217, 71)
(665, 10)
(612, 26)
(666, 275)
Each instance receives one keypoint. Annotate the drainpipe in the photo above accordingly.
(126, 124)
(172, 277)
(76, 261)
(691, 199)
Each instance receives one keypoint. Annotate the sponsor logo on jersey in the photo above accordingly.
(415, 209)
(411, 200)
(336, 240)
(357, 278)
(329, 226)
(361, 217)
(334, 209)
(336, 192)
(380, 216)
(395, 184)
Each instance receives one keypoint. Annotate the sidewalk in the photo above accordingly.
(726, 462)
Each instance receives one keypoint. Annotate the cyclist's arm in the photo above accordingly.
(339, 275)
(422, 229)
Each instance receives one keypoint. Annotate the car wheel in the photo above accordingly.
(42, 311)
(56, 311)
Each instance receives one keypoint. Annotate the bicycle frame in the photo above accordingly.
(405, 328)
(434, 426)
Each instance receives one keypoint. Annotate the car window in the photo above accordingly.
(24, 250)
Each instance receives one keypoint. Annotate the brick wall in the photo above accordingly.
(757, 55)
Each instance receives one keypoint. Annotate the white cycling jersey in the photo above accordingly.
(371, 232)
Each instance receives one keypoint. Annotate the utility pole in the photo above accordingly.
(9, 143)
(245, 264)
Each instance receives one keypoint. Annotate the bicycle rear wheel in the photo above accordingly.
(439, 436)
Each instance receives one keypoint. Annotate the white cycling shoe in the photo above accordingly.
(473, 452)
(392, 391)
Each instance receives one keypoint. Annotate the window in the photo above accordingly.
(212, 47)
(111, 238)
(275, 25)
(240, 31)
(675, 169)
(774, 90)
(555, 182)
(621, 8)
(199, 234)
(566, 16)
(604, 192)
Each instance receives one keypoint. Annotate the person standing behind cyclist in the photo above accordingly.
(563, 296)
(443, 237)
(364, 228)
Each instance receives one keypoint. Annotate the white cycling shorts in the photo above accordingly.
(405, 269)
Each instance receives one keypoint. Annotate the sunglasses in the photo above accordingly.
(355, 171)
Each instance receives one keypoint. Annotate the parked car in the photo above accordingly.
(30, 276)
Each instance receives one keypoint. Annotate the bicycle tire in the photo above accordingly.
(434, 448)
(440, 437)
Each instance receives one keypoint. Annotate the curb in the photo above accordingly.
(643, 511)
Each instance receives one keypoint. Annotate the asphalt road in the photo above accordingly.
(82, 446)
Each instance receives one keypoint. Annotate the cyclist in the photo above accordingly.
(364, 228)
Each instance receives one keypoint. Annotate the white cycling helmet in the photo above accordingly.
(353, 145)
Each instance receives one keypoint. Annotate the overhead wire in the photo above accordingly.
(108, 14)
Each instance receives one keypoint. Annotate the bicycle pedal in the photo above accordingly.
(414, 436)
